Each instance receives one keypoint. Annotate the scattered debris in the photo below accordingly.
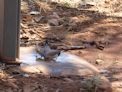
(72, 48)
(88, 29)
(99, 62)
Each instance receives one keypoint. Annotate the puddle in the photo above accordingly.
(28, 55)
(65, 63)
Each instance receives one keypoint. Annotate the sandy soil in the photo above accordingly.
(100, 34)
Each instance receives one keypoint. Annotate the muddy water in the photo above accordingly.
(65, 64)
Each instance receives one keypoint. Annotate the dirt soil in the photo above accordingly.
(101, 35)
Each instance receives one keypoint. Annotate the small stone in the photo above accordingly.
(34, 13)
(99, 61)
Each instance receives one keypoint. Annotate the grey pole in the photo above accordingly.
(9, 30)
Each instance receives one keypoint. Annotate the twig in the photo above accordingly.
(72, 47)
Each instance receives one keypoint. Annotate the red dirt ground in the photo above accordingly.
(100, 34)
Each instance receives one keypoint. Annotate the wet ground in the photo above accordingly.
(101, 35)
(65, 64)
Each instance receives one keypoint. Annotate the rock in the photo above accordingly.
(99, 61)
(34, 13)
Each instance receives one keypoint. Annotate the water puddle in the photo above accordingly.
(28, 55)
(65, 64)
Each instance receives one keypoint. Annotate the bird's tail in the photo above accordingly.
(46, 43)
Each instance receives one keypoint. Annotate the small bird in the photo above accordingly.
(48, 53)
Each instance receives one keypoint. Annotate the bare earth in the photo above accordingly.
(100, 34)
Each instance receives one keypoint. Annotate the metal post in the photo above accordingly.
(9, 30)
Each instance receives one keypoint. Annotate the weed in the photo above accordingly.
(91, 84)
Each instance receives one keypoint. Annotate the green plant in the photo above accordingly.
(91, 84)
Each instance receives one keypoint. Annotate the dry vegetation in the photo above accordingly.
(96, 27)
